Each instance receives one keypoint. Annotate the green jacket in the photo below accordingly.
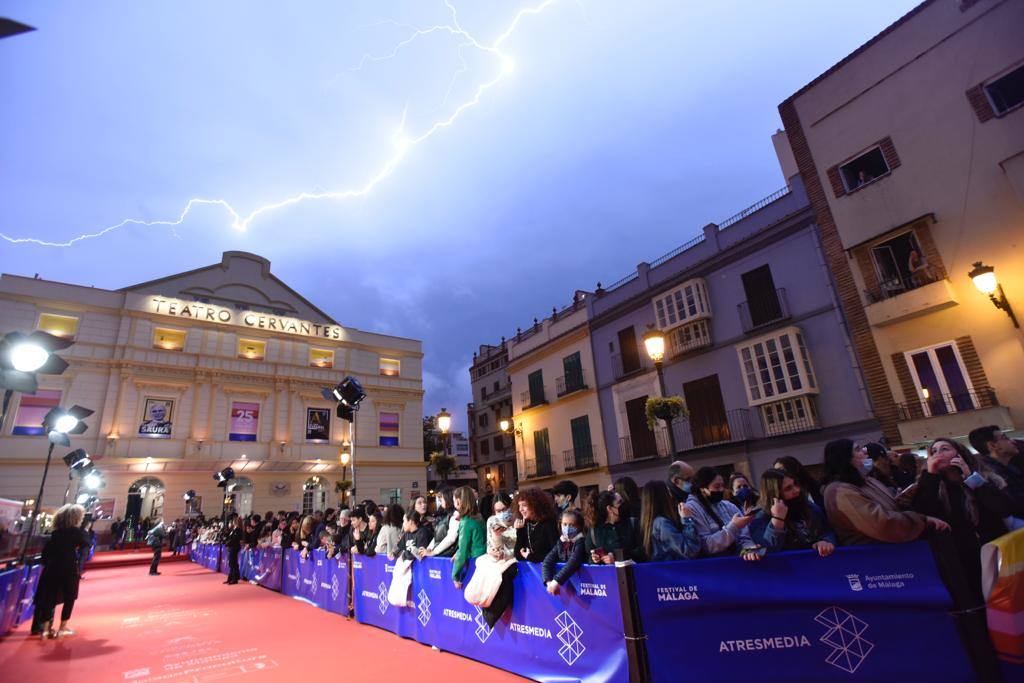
(472, 544)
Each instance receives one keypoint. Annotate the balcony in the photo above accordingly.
(951, 415)
(526, 400)
(538, 467)
(580, 458)
(789, 416)
(689, 337)
(907, 298)
(764, 309)
(734, 428)
(572, 382)
(644, 445)
(630, 366)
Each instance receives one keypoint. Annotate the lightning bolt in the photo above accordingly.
(401, 142)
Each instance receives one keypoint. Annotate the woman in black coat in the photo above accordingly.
(58, 582)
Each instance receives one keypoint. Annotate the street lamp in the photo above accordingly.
(444, 423)
(346, 457)
(654, 343)
(984, 278)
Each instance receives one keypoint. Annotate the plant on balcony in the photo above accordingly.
(666, 408)
(341, 488)
(443, 465)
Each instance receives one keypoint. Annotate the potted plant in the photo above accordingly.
(666, 408)
(443, 465)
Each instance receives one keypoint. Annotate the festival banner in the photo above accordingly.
(298, 576)
(247, 559)
(576, 635)
(10, 593)
(26, 603)
(245, 421)
(800, 617)
(211, 556)
(318, 425)
(268, 568)
(371, 579)
(330, 579)
(157, 414)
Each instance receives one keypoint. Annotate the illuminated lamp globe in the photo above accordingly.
(503, 425)
(28, 357)
(92, 481)
(83, 498)
(984, 278)
(65, 423)
(654, 343)
(444, 421)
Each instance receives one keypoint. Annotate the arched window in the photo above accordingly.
(145, 499)
(241, 490)
(314, 495)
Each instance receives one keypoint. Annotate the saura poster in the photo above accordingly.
(156, 418)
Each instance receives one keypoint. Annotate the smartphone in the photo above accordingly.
(600, 552)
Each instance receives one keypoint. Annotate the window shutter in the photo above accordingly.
(889, 152)
(973, 364)
(837, 182)
(913, 401)
(980, 104)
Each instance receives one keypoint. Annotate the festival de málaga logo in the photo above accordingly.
(593, 590)
(677, 593)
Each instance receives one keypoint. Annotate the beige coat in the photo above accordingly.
(869, 514)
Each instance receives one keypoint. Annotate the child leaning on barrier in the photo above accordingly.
(570, 549)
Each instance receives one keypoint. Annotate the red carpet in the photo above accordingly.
(187, 626)
(125, 558)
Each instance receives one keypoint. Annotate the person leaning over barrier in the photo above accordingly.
(361, 539)
(611, 536)
(863, 510)
(472, 543)
(570, 549)
(664, 535)
(536, 524)
(788, 520)
(680, 480)
(811, 487)
(710, 511)
(390, 530)
(446, 526)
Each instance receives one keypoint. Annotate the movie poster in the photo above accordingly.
(157, 415)
(245, 419)
(318, 425)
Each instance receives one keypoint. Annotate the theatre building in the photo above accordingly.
(217, 367)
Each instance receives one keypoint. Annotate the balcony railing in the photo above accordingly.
(789, 416)
(567, 384)
(689, 337)
(628, 368)
(764, 309)
(526, 399)
(538, 467)
(946, 404)
(903, 284)
(580, 458)
(644, 444)
(733, 428)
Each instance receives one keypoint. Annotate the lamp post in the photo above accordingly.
(654, 343)
(984, 278)
(348, 395)
(508, 426)
(346, 458)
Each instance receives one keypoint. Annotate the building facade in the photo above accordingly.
(755, 345)
(912, 152)
(558, 424)
(464, 474)
(216, 367)
(492, 452)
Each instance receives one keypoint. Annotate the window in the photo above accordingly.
(789, 416)
(941, 380)
(775, 366)
(762, 305)
(572, 380)
(497, 386)
(582, 454)
(250, 349)
(628, 359)
(499, 444)
(483, 393)
(1006, 92)
(485, 447)
(245, 421)
(866, 168)
(314, 495)
(64, 326)
(483, 420)
(688, 301)
(321, 358)
(900, 265)
(169, 340)
(389, 367)
(536, 384)
(32, 409)
(392, 496)
(542, 453)
(388, 429)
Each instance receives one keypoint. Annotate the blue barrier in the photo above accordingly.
(371, 577)
(247, 560)
(26, 604)
(330, 581)
(797, 617)
(268, 568)
(10, 594)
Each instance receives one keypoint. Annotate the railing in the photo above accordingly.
(946, 404)
(678, 250)
(538, 467)
(525, 398)
(567, 384)
(735, 427)
(580, 458)
(619, 371)
(644, 444)
(901, 285)
(689, 337)
(764, 309)
(736, 217)
(789, 416)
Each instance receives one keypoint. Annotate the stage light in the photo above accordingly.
(349, 392)
(28, 357)
(92, 481)
(224, 476)
(189, 495)
(59, 422)
(23, 356)
(83, 498)
(78, 461)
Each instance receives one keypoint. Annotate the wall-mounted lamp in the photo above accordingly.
(281, 445)
(984, 278)
(508, 427)
(199, 444)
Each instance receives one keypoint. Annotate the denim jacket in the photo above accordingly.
(670, 543)
(718, 539)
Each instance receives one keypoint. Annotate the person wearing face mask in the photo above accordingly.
(565, 493)
(667, 529)
(788, 520)
(612, 537)
(680, 475)
(883, 465)
(862, 510)
(490, 588)
(741, 492)
(570, 549)
(722, 527)
(446, 528)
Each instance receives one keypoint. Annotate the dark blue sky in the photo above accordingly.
(612, 132)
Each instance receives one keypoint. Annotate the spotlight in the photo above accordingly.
(78, 461)
(59, 422)
(348, 393)
(224, 476)
(83, 498)
(189, 495)
(22, 356)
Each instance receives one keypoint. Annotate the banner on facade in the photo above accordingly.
(245, 419)
(801, 617)
(157, 414)
(318, 425)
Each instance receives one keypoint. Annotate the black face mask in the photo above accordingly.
(716, 496)
(797, 505)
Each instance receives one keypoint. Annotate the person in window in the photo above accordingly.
(788, 520)
(611, 536)
(918, 269)
(535, 524)
(808, 484)
(863, 178)
(741, 493)
(570, 550)
(722, 527)
(1001, 456)
(472, 541)
(862, 510)
(667, 530)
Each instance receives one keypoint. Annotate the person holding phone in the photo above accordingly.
(788, 520)
(612, 536)
(722, 526)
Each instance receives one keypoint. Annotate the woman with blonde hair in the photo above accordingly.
(59, 581)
